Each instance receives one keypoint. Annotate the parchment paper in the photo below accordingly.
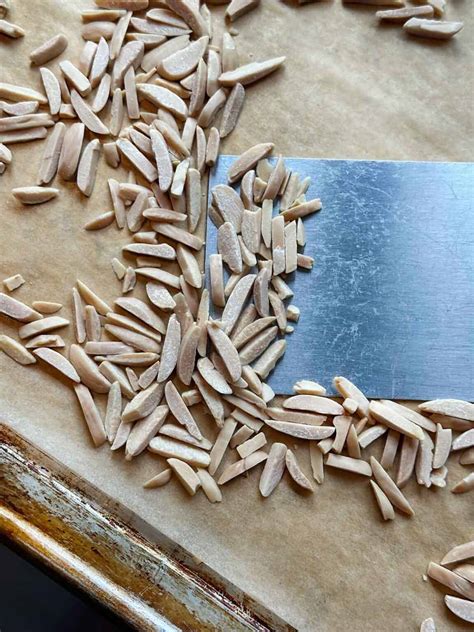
(349, 89)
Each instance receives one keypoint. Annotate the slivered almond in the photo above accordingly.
(261, 294)
(411, 415)
(134, 339)
(401, 15)
(228, 246)
(307, 387)
(86, 115)
(87, 56)
(230, 56)
(16, 351)
(11, 30)
(462, 442)
(252, 445)
(117, 202)
(154, 57)
(76, 78)
(371, 434)
(213, 377)
(342, 424)
(162, 276)
(71, 151)
(180, 434)
(13, 282)
(186, 475)
(449, 579)
(211, 398)
(257, 345)
(123, 432)
(25, 121)
(278, 245)
(19, 93)
(266, 227)
(160, 296)
(113, 415)
(198, 92)
(165, 16)
(183, 62)
(389, 487)
(52, 151)
(201, 319)
(46, 307)
(300, 430)
(216, 274)
(278, 309)
(357, 466)
(133, 378)
(20, 108)
(193, 198)
(280, 414)
(87, 168)
(300, 233)
(78, 315)
(116, 113)
(242, 466)
(443, 446)
(229, 205)
(249, 73)
(236, 302)
(142, 311)
(432, 28)
(452, 407)
(143, 431)
(214, 69)
(52, 89)
(317, 463)
(212, 107)
(451, 422)
(302, 210)
(116, 374)
(281, 288)
(99, 65)
(246, 190)
(41, 326)
(291, 248)
(241, 436)
(34, 195)
(238, 8)
(459, 553)
(461, 487)
(407, 460)
(91, 414)
(226, 349)
(118, 268)
(92, 299)
(131, 98)
(49, 50)
(162, 158)
(248, 258)
(179, 234)
(187, 354)
(393, 420)
(383, 502)
(59, 362)
(93, 326)
(180, 411)
(101, 97)
(161, 251)
(94, 31)
(88, 370)
(143, 404)
(159, 480)
(169, 448)
(424, 461)
(314, 404)
(251, 229)
(296, 472)
(106, 347)
(348, 389)
(119, 33)
(191, 296)
(249, 396)
(209, 486)
(462, 608)
(273, 470)
(190, 14)
(201, 145)
(390, 449)
(162, 97)
(248, 408)
(172, 138)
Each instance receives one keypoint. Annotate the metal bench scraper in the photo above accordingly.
(389, 303)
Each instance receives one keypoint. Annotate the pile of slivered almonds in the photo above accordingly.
(174, 92)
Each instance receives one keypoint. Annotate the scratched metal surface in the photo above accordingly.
(390, 300)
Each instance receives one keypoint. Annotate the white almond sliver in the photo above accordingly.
(164, 98)
(52, 89)
(383, 502)
(113, 415)
(432, 28)
(424, 461)
(461, 442)
(88, 370)
(239, 7)
(389, 487)
(46, 307)
(92, 32)
(143, 404)
(25, 122)
(183, 62)
(52, 151)
(159, 480)
(186, 475)
(347, 389)
(317, 463)
(99, 64)
(296, 472)
(257, 345)
(211, 399)
(308, 387)
(459, 553)
(452, 581)
(342, 424)
(180, 235)
(212, 107)
(131, 98)
(42, 326)
(411, 415)
(86, 115)
(357, 466)
(49, 50)
(106, 347)
(101, 98)
(401, 15)
(143, 431)
(116, 374)
(76, 78)
(252, 445)
(371, 434)
(428, 625)
(181, 434)
(393, 420)
(273, 470)
(142, 311)
(390, 449)
(236, 302)
(213, 377)
(11, 30)
(91, 414)
(169, 448)
(14, 282)
(92, 299)
(314, 404)
(452, 407)
(301, 431)
(101, 221)
(407, 460)
(187, 354)
(16, 351)
(162, 158)
(180, 411)
(242, 466)
(226, 349)
(462, 608)
(443, 446)
(241, 436)
(93, 325)
(249, 73)
(19, 93)
(34, 195)
(463, 486)
(87, 168)
(209, 486)
(228, 246)
(248, 160)
(71, 151)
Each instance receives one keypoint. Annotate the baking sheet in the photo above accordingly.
(349, 89)
(392, 288)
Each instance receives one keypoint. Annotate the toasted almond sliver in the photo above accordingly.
(50, 159)
(49, 50)
(242, 466)
(143, 431)
(432, 28)
(71, 151)
(87, 168)
(226, 349)
(357, 466)
(389, 487)
(451, 580)
(159, 480)
(390, 449)
(91, 414)
(464, 485)
(34, 195)
(16, 350)
(452, 407)
(443, 446)
(459, 553)
(462, 608)
(86, 115)
(407, 460)
(170, 448)
(92, 299)
(393, 420)
(296, 472)
(180, 411)
(314, 404)
(383, 502)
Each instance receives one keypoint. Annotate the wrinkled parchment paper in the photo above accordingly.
(324, 562)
